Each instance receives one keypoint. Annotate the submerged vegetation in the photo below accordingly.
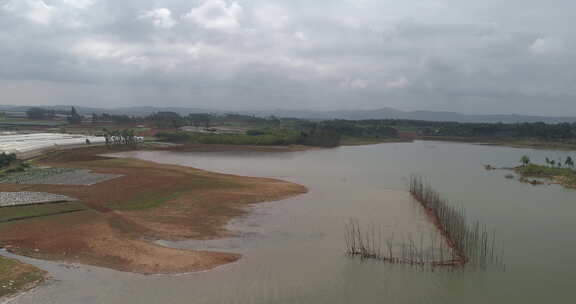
(462, 244)
(368, 242)
(471, 243)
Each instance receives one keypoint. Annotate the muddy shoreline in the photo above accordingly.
(127, 215)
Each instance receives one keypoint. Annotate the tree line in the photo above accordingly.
(315, 136)
(536, 130)
(370, 128)
(121, 137)
(274, 130)
(568, 162)
(72, 116)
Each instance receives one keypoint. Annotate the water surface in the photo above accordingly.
(293, 249)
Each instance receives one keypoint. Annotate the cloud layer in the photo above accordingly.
(469, 56)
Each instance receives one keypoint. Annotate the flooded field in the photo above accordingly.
(294, 249)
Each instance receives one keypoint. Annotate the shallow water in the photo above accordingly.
(293, 249)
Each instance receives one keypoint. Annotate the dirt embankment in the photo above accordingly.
(151, 201)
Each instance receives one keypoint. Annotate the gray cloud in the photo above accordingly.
(469, 56)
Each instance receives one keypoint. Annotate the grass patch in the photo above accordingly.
(23, 212)
(16, 277)
(146, 201)
(150, 200)
(205, 182)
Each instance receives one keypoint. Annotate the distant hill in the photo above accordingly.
(389, 113)
(132, 111)
(382, 113)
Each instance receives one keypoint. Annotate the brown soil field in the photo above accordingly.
(151, 201)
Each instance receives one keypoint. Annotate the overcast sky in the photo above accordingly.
(470, 56)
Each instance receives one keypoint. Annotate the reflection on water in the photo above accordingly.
(294, 249)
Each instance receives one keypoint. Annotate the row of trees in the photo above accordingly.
(316, 137)
(325, 131)
(568, 162)
(538, 130)
(165, 120)
(40, 113)
(74, 118)
(121, 137)
(273, 130)
(117, 119)
(206, 120)
(375, 128)
(160, 119)
(361, 128)
(319, 135)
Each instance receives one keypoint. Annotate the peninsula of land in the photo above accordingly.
(114, 223)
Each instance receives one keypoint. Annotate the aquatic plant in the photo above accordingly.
(462, 244)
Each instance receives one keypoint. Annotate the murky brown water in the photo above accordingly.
(293, 249)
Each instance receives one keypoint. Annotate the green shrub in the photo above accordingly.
(7, 159)
(177, 136)
(260, 137)
(323, 136)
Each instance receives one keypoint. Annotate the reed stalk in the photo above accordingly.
(466, 244)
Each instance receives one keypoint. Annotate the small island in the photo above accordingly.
(559, 171)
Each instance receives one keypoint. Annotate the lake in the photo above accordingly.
(294, 249)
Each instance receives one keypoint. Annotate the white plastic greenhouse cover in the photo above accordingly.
(29, 142)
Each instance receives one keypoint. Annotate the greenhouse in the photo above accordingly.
(10, 199)
(20, 143)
